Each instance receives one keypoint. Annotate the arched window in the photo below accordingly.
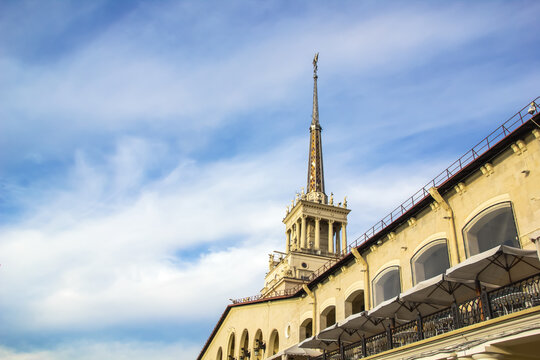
(431, 260)
(306, 329)
(230, 347)
(258, 346)
(219, 355)
(244, 346)
(386, 284)
(492, 227)
(354, 303)
(273, 346)
(328, 317)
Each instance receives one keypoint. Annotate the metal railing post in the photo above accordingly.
(420, 325)
(364, 347)
(455, 316)
(486, 306)
(389, 337)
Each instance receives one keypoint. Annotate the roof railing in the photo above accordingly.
(514, 122)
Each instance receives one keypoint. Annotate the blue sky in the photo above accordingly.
(149, 148)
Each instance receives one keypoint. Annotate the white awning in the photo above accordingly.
(315, 342)
(295, 350)
(440, 290)
(337, 333)
(499, 266)
(362, 323)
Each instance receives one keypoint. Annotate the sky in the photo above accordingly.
(148, 149)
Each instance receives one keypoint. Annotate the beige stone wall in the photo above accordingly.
(281, 314)
(515, 178)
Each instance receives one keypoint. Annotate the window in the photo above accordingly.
(328, 317)
(431, 260)
(219, 355)
(354, 303)
(230, 348)
(244, 345)
(274, 343)
(386, 284)
(258, 346)
(492, 227)
(306, 329)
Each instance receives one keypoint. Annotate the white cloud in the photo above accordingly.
(105, 351)
(91, 259)
(96, 256)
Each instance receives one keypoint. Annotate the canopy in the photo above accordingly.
(315, 342)
(386, 309)
(499, 266)
(337, 333)
(440, 290)
(396, 308)
(362, 324)
(295, 351)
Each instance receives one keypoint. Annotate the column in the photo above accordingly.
(288, 241)
(298, 237)
(330, 236)
(337, 241)
(344, 237)
(303, 233)
(317, 233)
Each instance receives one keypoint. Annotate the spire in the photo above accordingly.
(315, 181)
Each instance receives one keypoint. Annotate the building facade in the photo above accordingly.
(488, 197)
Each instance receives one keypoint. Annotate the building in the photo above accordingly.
(487, 198)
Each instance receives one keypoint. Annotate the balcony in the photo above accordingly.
(510, 299)
(475, 292)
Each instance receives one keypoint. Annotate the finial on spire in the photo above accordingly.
(315, 67)
(315, 113)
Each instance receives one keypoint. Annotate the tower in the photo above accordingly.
(315, 228)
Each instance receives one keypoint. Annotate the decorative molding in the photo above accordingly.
(493, 201)
(519, 147)
(487, 169)
(460, 188)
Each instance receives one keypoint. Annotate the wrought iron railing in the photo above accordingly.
(377, 343)
(439, 323)
(506, 300)
(406, 334)
(509, 126)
